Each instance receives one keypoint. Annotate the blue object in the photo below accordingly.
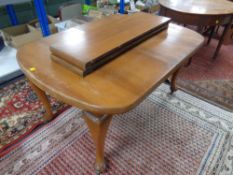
(88, 2)
(122, 7)
(41, 13)
(11, 12)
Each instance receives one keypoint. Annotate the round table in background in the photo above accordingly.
(209, 13)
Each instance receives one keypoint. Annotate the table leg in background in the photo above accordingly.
(98, 127)
(227, 27)
(173, 81)
(189, 62)
(211, 35)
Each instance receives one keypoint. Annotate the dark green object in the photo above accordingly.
(25, 12)
(1, 43)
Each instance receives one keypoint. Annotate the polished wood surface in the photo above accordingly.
(121, 84)
(116, 87)
(210, 13)
(195, 19)
(202, 7)
(78, 46)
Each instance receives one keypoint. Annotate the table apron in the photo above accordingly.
(197, 20)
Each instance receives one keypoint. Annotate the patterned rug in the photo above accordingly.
(20, 112)
(209, 79)
(165, 135)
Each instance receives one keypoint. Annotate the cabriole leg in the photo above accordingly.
(44, 99)
(98, 126)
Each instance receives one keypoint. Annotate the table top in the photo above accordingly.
(119, 85)
(201, 7)
(78, 45)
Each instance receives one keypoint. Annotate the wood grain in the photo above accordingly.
(78, 45)
(121, 84)
(195, 19)
(201, 7)
(207, 13)
(116, 87)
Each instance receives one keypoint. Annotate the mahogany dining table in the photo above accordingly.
(201, 13)
(116, 87)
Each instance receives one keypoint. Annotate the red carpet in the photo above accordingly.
(165, 135)
(210, 79)
(20, 112)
